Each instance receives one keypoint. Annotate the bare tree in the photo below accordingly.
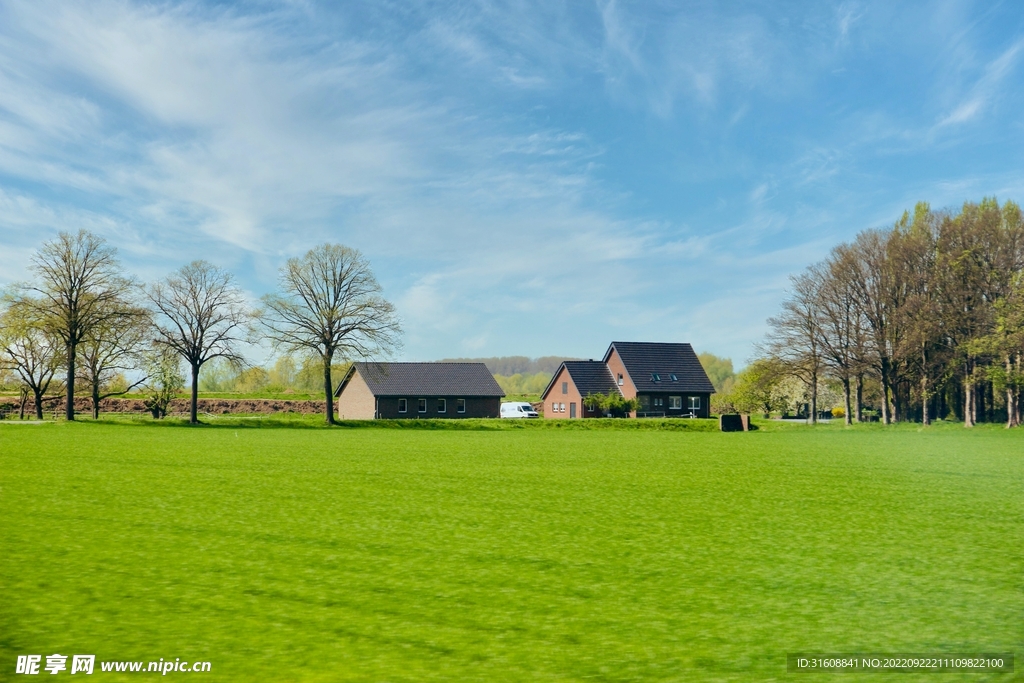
(841, 328)
(331, 304)
(202, 316)
(30, 351)
(879, 293)
(114, 347)
(794, 337)
(78, 278)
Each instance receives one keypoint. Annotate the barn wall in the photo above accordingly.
(476, 406)
(356, 401)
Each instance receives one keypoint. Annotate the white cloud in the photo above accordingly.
(985, 89)
(524, 177)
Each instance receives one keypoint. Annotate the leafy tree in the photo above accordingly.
(612, 403)
(218, 375)
(29, 350)
(1006, 343)
(201, 316)
(163, 371)
(252, 380)
(330, 304)
(519, 384)
(921, 310)
(719, 371)
(758, 387)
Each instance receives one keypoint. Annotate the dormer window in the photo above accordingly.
(674, 378)
(655, 377)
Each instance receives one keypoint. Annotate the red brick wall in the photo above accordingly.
(556, 398)
(614, 364)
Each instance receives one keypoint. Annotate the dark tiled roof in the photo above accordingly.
(429, 379)
(591, 377)
(643, 359)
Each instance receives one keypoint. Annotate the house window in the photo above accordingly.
(561, 407)
(423, 405)
(460, 405)
(565, 387)
(655, 377)
(674, 378)
(442, 405)
(675, 402)
(659, 402)
(403, 405)
(695, 403)
(620, 379)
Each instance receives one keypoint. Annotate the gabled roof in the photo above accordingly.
(589, 376)
(643, 360)
(425, 379)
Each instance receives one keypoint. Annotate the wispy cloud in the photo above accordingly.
(986, 88)
(526, 177)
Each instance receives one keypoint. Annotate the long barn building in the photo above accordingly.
(394, 391)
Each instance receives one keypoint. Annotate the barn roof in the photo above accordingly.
(651, 366)
(589, 376)
(426, 379)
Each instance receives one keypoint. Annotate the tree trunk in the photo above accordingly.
(847, 417)
(1011, 396)
(95, 399)
(897, 402)
(860, 398)
(1017, 401)
(23, 403)
(969, 396)
(814, 398)
(989, 401)
(39, 402)
(925, 396)
(979, 402)
(328, 391)
(69, 408)
(193, 416)
(886, 417)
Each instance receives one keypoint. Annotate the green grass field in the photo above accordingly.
(515, 553)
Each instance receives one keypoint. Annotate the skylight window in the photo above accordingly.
(674, 378)
(655, 377)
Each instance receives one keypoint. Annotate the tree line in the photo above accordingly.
(83, 319)
(927, 316)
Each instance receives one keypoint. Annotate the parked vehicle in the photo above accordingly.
(514, 409)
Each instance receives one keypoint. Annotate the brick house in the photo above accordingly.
(572, 382)
(418, 390)
(667, 378)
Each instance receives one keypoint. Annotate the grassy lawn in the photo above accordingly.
(514, 553)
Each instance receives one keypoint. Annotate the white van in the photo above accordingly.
(517, 409)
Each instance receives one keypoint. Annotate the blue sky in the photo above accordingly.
(526, 178)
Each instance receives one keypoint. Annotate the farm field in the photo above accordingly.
(523, 552)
